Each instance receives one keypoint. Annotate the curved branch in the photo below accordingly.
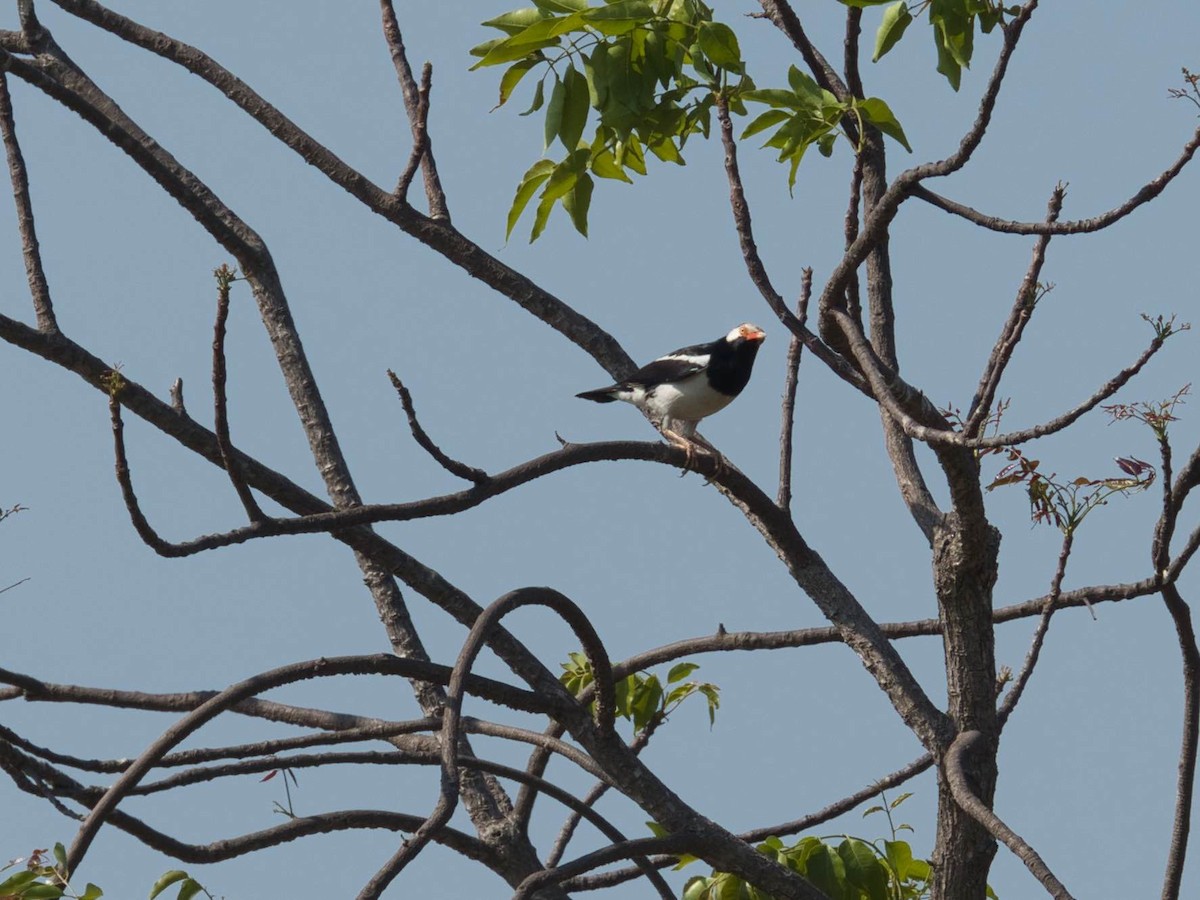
(451, 716)
(963, 795)
(203, 713)
(453, 466)
(1076, 226)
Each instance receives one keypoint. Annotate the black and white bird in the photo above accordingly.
(681, 388)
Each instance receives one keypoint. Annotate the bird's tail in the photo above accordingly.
(602, 395)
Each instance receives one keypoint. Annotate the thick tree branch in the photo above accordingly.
(1181, 615)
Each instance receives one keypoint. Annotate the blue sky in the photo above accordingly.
(1088, 763)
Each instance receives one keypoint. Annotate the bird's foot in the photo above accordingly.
(694, 447)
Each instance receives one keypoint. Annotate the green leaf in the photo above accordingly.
(554, 112)
(167, 879)
(896, 19)
(775, 97)
(920, 870)
(681, 671)
(666, 150)
(947, 64)
(766, 120)
(574, 112)
(547, 29)
(619, 18)
(899, 857)
(807, 90)
(827, 872)
(657, 830)
(604, 165)
(900, 799)
(14, 883)
(629, 153)
(561, 182)
(555, 6)
(720, 45)
(189, 889)
(576, 203)
(60, 855)
(530, 182)
(954, 28)
(512, 77)
(91, 892)
(863, 869)
(41, 892)
(647, 701)
(507, 51)
(539, 97)
(879, 114)
(516, 21)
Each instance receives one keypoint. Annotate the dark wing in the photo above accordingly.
(675, 366)
(668, 369)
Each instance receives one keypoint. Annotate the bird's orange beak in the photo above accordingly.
(751, 333)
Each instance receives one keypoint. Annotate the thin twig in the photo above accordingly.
(1014, 327)
(1076, 226)
(453, 466)
(225, 277)
(787, 427)
(416, 102)
(1039, 635)
(974, 807)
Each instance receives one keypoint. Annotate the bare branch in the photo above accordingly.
(1039, 635)
(452, 714)
(416, 102)
(225, 277)
(39, 290)
(952, 763)
(787, 427)
(1077, 226)
(1014, 327)
(453, 466)
(1177, 854)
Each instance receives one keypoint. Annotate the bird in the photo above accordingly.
(685, 386)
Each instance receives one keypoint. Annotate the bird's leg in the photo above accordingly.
(683, 443)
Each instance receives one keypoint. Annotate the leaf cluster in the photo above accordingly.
(853, 869)
(646, 76)
(641, 698)
(42, 879)
(1065, 504)
(953, 24)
